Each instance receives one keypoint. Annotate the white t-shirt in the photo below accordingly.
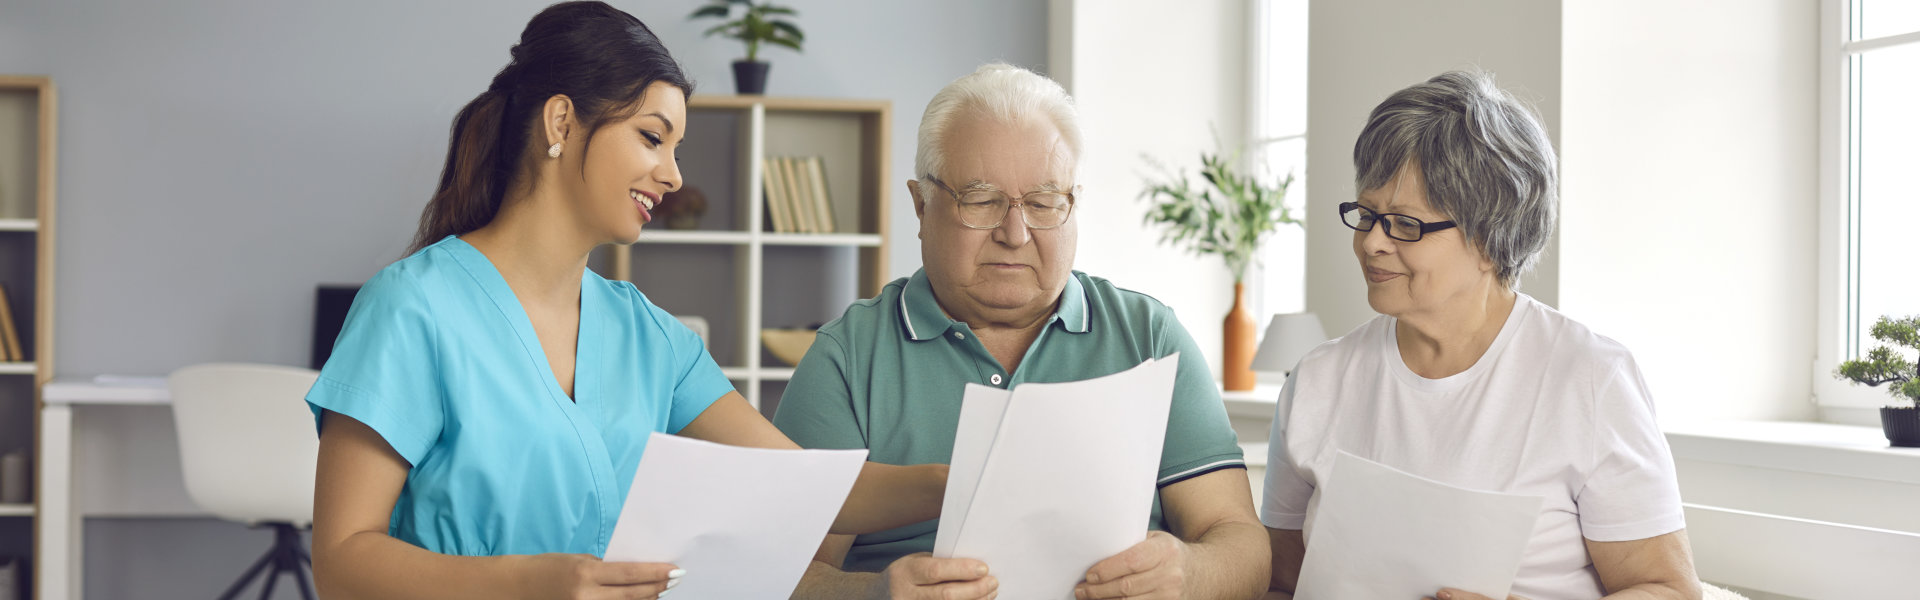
(1552, 409)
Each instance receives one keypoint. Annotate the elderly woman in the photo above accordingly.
(1464, 380)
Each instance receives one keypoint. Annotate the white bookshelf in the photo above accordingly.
(850, 240)
(720, 238)
(19, 224)
(851, 137)
(16, 368)
(16, 510)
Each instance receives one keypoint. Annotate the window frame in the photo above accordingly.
(1275, 289)
(1837, 248)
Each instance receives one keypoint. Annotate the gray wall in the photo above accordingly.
(219, 159)
(1360, 52)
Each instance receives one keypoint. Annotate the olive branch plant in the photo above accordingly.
(1231, 215)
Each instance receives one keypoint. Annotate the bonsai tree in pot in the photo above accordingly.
(1884, 365)
(757, 24)
(1230, 217)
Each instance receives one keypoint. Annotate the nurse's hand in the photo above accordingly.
(923, 577)
(1453, 594)
(586, 577)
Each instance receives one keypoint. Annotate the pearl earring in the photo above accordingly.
(553, 151)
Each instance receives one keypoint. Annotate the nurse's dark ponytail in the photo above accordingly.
(601, 58)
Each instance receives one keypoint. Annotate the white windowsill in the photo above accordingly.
(1823, 448)
(1257, 403)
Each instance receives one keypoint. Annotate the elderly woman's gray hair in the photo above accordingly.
(998, 91)
(1484, 155)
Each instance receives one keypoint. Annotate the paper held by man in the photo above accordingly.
(1378, 532)
(704, 507)
(1049, 478)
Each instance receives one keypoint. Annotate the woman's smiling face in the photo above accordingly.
(631, 164)
(1414, 277)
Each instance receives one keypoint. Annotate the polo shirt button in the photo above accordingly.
(959, 336)
(995, 379)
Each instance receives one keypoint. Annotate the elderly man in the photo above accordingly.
(998, 304)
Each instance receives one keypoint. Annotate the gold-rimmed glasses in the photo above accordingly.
(986, 208)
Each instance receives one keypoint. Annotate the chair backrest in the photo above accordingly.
(247, 440)
(699, 327)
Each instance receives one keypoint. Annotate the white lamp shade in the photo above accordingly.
(1289, 337)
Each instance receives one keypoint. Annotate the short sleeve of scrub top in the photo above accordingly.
(438, 357)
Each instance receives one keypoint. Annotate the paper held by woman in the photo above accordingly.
(1378, 532)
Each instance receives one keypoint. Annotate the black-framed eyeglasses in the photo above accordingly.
(1400, 227)
(987, 208)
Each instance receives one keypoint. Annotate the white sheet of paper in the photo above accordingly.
(981, 410)
(1379, 532)
(743, 522)
(1049, 478)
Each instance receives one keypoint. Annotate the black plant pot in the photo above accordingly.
(1902, 426)
(750, 76)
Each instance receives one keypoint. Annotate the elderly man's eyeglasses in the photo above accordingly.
(1400, 227)
(987, 208)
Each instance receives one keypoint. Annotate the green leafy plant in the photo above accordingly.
(756, 24)
(1230, 216)
(1884, 365)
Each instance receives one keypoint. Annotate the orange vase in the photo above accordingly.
(1239, 343)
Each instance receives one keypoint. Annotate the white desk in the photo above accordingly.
(118, 458)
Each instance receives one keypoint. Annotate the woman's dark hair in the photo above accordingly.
(601, 58)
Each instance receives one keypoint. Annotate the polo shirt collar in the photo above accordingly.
(921, 317)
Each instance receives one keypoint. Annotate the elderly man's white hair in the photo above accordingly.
(999, 91)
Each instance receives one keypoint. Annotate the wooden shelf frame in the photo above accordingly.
(50, 577)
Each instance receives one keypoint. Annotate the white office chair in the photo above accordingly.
(247, 450)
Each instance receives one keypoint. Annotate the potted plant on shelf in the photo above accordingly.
(756, 25)
(1230, 216)
(1884, 365)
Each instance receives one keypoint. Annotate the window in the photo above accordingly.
(1871, 192)
(1278, 117)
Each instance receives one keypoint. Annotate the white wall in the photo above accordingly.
(1361, 51)
(1689, 201)
(1673, 121)
(1150, 80)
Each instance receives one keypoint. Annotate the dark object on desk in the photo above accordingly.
(330, 304)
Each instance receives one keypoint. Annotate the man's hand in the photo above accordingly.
(921, 576)
(1155, 568)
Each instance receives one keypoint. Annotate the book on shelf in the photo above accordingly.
(796, 206)
(803, 187)
(9, 331)
(803, 179)
(775, 194)
(795, 190)
(822, 203)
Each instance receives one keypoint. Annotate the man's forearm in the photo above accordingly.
(824, 582)
(1231, 561)
(888, 496)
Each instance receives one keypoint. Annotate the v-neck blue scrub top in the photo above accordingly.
(439, 358)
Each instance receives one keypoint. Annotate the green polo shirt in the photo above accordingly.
(888, 376)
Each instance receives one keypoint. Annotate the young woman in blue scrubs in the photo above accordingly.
(488, 400)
